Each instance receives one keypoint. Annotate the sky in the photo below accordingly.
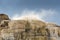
(48, 10)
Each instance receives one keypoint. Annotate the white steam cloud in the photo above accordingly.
(31, 14)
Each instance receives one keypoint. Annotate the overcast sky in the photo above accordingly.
(49, 10)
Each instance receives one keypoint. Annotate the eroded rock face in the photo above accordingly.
(17, 24)
(21, 29)
(4, 17)
(28, 30)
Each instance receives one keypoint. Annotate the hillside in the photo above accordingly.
(28, 30)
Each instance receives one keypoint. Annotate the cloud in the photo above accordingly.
(33, 14)
(46, 13)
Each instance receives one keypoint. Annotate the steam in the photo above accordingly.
(33, 14)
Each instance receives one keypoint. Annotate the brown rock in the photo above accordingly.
(17, 24)
(4, 17)
(28, 30)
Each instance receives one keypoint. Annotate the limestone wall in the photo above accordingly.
(27, 29)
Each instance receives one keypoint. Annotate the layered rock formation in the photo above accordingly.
(28, 30)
